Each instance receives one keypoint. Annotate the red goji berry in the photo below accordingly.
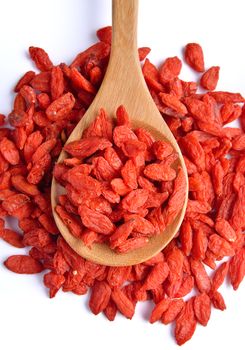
(123, 186)
(23, 264)
(194, 56)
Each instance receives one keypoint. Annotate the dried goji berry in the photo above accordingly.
(44, 101)
(38, 238)
(104, 34)
(158, 172)
(132, 244)
(202, 308)
(99, 50)
(159, 309)
(100, 297)
(86, 147)
(23, 264)
(15, 202)
(143, 52)
(29, 94)
(162, 149)
(112, 158)
(134, 200)
(185, 287)
(219, 246)
(152, 77)
(60, 108)
(12, 237)
(33, 141)
(194, 56)
(178, 195)
(218, 177)
(48, 223)
(237, 268)
(174, 103)
(185, 323)
(201, 277)
(174, 308)
(200, 244)
(224, 97)
(132, 148)
(121, 233)
(95, 221)
(219, 276)
(122, 134)
(41, 58)
(124, 305)
(19, 182)
(119, 186)
(170, 69)
(20, 137)
(129, 174)
(56, 83)
(186, 237)
(117, 275)
(24, 80)
(9, 151)
(41, 82)
(54, 282)
(110, 310)
(225, 230)
(70, 221)
(156, 276)
(218, 300)
(81, 82)
(38, 170)
(210, 78)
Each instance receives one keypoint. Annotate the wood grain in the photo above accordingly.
(123, 84)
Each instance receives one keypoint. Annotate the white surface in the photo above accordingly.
(28, 318)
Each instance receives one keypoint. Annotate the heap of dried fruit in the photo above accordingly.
(116, 181)
(47, 107)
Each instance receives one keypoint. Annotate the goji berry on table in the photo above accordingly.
(210, 78)
(194, 56)
(23, 264)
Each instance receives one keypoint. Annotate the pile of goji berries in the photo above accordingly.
(116, 181)
(47, 107)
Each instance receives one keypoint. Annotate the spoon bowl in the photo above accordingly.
(124, 85)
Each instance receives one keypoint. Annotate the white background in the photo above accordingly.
(28, 318)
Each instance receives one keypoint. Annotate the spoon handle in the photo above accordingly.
(124, 24)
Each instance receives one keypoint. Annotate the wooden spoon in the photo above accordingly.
(123, 84)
